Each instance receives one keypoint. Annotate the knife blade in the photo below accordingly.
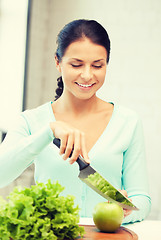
(99, 184)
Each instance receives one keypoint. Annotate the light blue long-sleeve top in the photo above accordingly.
(118, 155)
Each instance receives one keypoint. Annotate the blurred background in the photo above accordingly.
(28, 31)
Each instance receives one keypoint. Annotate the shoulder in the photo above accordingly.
(129, 123)
(126, 116)
(37, 110)
(38, 115)
(126, 113)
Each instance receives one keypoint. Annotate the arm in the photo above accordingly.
(20, 148)
(134, 175)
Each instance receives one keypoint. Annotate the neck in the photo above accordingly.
(76, 106)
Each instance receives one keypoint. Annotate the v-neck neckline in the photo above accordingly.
(92, 150)
(97, 143)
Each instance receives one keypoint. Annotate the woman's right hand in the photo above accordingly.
(71, 139)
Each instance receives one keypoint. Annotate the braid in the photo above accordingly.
(60, 88)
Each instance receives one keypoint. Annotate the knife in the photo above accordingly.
(99, 184)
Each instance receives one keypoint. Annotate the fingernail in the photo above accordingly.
(63, 156)
(88, 161)
(71, 162)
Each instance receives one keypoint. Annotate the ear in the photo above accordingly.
(57, 63)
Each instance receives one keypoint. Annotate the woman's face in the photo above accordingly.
(83, 68)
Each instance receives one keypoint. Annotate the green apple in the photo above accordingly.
(108, 216)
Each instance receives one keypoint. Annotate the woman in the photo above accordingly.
(107, 134)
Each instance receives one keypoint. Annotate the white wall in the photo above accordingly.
(134, 75)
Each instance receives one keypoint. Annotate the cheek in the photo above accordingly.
(101, 75)
(65, 73)
(68, 77)
(69, 74)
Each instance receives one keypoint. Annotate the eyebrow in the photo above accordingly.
(82, 60)
(77, 59)
(99, 60)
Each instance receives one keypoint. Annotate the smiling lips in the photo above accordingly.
(85, 86)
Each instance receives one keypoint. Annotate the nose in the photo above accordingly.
(86, 74)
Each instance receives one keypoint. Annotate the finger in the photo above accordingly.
(69, 146)
(127, 212)
(83, 147)
(124, 192)
(77, 147)
(63, 145)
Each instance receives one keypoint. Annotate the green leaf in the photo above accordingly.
(39, 212)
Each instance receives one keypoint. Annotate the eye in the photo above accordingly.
(97, 66)
(76, 65)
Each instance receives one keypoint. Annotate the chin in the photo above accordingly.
(85, 96)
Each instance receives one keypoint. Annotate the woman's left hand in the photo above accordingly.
(126, 211)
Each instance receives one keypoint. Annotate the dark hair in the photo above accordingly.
(74, 31)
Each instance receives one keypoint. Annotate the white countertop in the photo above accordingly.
(146, 230)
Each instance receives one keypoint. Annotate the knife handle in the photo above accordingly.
(80, 160)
